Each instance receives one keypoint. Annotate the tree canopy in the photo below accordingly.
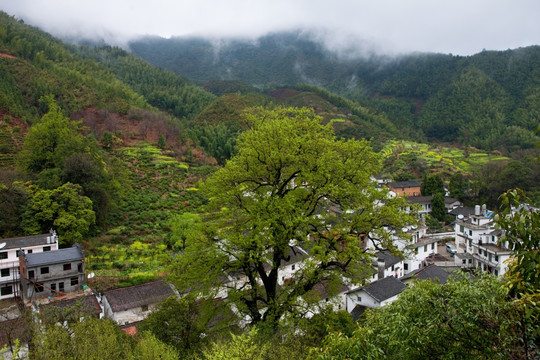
(466, 318)
(291, 182)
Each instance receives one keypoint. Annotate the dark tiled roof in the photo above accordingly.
(358, 311)
(324, 290)
(419, 199)
(84, 305)
(25, 241)
(136, 296)
(295, 255)
(74, 253)
(460, 210)
(13, 329)
(397, 184)
(388, 258)
(431, 272)
(449, 200)
(385, 288)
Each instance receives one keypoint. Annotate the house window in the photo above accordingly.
(292, 267)
(425, 248)
(30, 251)
(464, 261)
(497, 258)
(432, 246)
(3, 255)
(4, 272)
(6, 290)
(61, 286)
(461, 228)
(359, 298)
(144, 308)
(67, 267)
(470, 232)
(39, 287)
(53, 287)
(31, 274)
(46, 248)
(79, 268)
(406, 266)
(74, 281)
(44, 270)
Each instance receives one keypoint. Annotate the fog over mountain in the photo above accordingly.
(391, 26)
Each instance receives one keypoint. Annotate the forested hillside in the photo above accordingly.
(76, 122)
(489, 100)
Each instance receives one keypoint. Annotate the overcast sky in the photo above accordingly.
(461, 27)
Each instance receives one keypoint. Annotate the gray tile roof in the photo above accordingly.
(358, 311)
(431, 272)
(385, 288)
(132, 297)
(419, 199)
(74, 253)
(397, 184)
(387, 258)
(86, 305)
(460, 210)
(25, 241)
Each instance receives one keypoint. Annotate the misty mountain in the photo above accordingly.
(489, 100)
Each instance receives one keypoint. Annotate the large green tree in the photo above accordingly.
(291, 181)
(63, 208)
(51, 140)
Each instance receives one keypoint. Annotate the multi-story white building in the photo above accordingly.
(9, 261)
(476, 235)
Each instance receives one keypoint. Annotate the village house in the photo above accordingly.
(376, 294)
(134, 303)
(405, 188)
(9, 260)
(476, 235)
(294, 262)
(424, 204)
(431, 272)
(389, 265)
(52, 273)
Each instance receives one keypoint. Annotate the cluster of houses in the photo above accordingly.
(34, 269)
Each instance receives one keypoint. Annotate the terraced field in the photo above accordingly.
(442, 159)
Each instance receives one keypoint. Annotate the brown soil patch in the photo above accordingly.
(4, 55)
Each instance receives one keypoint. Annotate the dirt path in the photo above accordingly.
(7, 56)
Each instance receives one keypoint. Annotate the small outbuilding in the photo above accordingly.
(134, 303)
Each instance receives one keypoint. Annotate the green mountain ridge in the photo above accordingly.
(505, 84)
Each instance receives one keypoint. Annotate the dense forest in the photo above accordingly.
(114, 149)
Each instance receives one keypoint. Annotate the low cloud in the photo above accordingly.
(460, 27)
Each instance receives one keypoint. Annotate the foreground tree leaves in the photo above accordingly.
(465, 319)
